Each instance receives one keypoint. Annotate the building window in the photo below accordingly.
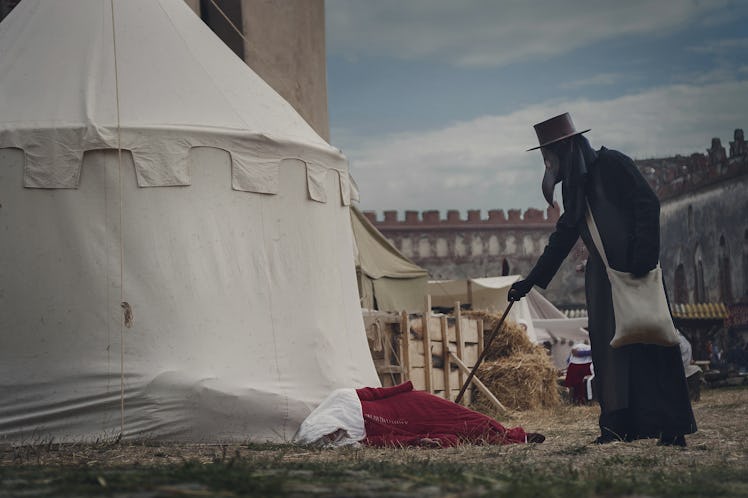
(406, 247)
(681, 286)
(505, 267)
(476, 247)
(460, 249)
(442, 248)
(220, 26)
(699, 288)
(725, 278)
(424, 248)
(493, 246)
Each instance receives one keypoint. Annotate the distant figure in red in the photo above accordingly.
(580, 363)
(400, 416)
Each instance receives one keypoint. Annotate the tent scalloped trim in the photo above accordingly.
(161, 158)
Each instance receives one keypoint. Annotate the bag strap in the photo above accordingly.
(595, 234)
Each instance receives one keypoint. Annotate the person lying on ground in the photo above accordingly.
(402, 416)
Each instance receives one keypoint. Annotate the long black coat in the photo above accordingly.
(641, 388)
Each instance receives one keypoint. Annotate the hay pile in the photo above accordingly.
(519, 373)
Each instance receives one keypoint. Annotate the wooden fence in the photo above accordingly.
(399, 342)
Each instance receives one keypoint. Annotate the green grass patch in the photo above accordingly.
(615, 476)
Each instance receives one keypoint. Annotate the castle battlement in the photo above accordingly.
(496, 217)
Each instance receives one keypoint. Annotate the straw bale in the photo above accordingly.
(517, 371)
(523, 381)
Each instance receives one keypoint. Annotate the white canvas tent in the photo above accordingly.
(552, 326)
(387, 280)
(176, 256)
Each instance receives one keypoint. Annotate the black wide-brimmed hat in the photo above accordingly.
(555, 129)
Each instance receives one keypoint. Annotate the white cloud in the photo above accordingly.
(491, 33)
(482, 163)
(718, 47)
(596, 80)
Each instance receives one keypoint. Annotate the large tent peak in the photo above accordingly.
(149, 77)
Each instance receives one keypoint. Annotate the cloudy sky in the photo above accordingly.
(433, 101)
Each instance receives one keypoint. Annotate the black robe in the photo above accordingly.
(641, 388)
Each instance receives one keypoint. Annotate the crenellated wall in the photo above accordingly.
(496, 217)
(711, 188)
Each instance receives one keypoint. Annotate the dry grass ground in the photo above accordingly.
(715, 463)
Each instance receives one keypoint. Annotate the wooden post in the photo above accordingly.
(427, 365)
(404, 347)
(480, 385)
(445, 354)
(470, 293)
(460, 343)
(386, 352)
(480, 336)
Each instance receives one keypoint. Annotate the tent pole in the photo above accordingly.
(460, 342)
(427, 364)
(404, 347)
(445, 354)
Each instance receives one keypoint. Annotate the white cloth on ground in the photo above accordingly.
(337, 421)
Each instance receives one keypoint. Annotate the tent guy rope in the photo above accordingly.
(125, 306)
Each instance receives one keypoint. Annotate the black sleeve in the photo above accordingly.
(645, 206)
(559, 244)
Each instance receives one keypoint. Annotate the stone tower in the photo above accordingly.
(283, 42)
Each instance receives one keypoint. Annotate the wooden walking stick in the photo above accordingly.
(493, 335)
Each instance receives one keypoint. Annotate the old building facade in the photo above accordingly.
(499, 244)
(704, 218)
(704, 231)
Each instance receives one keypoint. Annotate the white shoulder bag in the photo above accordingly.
(640, 307)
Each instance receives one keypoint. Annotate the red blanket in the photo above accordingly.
(400, 416)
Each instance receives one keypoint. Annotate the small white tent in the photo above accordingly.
(176, 256)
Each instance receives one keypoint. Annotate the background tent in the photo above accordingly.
(176, 252)
(488, 294)
(387, 280)
(552, 326)
(544, 321)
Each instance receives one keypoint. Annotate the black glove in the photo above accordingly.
(519, 290)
